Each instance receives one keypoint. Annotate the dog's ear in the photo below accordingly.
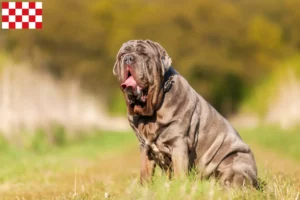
(116, 69)
(164, 58)
(166, 61)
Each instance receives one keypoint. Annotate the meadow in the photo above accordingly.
(105, 165)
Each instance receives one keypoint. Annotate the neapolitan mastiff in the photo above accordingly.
(176, 128)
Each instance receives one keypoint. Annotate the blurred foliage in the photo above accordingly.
(283, 75)
(116, 104)
(59, 135)
(3, 142)
(39, 141)
(222, 47)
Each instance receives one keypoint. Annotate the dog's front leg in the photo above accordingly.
(147, 166)
(180, 158)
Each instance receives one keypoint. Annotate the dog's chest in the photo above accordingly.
(148, 134)
(156, 150)
(160, 157)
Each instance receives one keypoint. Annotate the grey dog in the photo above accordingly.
(177, 129)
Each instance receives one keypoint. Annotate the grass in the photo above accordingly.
(192, 188)
(284, 142)
(107, 165)
(21, 163)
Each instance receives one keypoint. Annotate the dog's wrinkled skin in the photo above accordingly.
(177, 129)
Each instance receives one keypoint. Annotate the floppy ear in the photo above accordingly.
(165, 59)
(116, 69)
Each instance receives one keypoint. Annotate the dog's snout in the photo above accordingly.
(127, 88)
(128, 59)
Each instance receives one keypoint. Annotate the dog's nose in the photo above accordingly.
(130, 83)
(127, 88)
(128, 59)
(124, 86)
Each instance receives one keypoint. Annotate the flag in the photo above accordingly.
(22, 15)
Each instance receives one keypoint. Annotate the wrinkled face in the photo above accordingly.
(140, 68)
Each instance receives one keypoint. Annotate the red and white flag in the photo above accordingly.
(22, 15)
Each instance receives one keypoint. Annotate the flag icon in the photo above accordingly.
(22, 15)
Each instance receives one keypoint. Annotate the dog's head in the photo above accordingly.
(140, 68)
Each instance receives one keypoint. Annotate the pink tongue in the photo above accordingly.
(130, 82)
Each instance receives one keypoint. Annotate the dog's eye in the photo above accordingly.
(143, 54)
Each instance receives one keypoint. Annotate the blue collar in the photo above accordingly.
(168, 78)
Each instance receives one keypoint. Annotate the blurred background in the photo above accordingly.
(241, 56)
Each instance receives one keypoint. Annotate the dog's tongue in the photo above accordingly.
(130, 82)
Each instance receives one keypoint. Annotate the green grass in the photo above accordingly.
(20, 163)
(108, 163)
(274, 138)
(161, 188)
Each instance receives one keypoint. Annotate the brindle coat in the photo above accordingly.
(177, 129)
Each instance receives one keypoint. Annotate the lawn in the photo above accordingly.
(107, 165)
(283, 142)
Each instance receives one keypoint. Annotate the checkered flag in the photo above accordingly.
(22, 15)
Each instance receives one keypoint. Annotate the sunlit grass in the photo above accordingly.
(21, 163)
(106, 165)
(284, 142)
(277, 187)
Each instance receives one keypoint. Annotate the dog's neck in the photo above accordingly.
(168, 78)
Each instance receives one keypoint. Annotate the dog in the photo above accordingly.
(176, 128)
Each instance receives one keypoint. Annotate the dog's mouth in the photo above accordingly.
(136, 95)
